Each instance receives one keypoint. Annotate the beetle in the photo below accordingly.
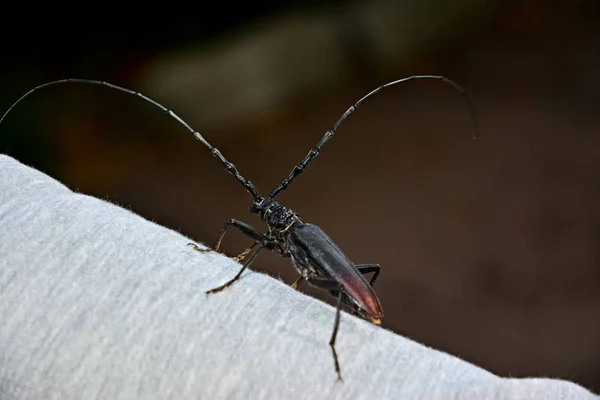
(317, 259)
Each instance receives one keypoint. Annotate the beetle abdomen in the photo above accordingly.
(320, 253)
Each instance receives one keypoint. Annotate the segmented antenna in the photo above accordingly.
(213, 150)
(315, 150)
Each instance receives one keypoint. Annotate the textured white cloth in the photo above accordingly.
(99, 303)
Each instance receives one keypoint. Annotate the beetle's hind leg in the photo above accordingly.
(332, 287)
(336, 326)
(239, 225)
(368, 268)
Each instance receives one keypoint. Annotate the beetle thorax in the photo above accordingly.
(276, 216)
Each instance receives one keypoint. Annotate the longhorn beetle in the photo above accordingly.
(318, 260)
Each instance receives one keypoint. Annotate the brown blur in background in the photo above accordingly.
(490, 249)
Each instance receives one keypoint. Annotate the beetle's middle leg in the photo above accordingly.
(239, 225)
(336, 326)
(334, 288)
(362, 268)
(297, 282)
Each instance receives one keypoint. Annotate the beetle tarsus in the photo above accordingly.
(244, 253)
(228, 283)
(337, 363)
(198, 249)
(220, 288)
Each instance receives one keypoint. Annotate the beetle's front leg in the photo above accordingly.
(244, 266)
(239, 225)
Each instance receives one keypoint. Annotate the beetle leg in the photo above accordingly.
(243, 255)
(322, 283)
(332, 287)
(348, 302)
(241, 226)
(368, 268)
(363, 269)
(336, 326)
(246, 264)
(335, 290)
(297, 282)
(354, 309)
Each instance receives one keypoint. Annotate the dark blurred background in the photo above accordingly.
(490, 249)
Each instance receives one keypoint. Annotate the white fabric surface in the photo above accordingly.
(99, 303)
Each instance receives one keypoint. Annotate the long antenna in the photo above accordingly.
(315, 150)
(213, 150)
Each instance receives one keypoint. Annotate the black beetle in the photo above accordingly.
(318, 260)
